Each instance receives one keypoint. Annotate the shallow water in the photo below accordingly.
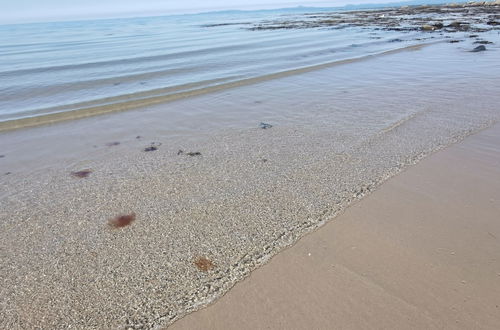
(57, 67)
(352, 98)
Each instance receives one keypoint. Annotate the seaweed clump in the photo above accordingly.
(153, 147)
(81, 174)
(203, 264)
(191, 153)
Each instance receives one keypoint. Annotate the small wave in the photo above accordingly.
(142, 99)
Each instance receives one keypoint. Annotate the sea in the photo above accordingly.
(56, 67)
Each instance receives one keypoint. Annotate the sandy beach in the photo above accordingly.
(419, 253)
(362, 192)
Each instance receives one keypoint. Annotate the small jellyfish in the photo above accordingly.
(122, 220)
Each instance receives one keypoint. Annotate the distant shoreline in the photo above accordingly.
(236, 11)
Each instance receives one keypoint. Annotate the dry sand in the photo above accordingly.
(421, 252)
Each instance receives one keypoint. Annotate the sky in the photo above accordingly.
(22, 11)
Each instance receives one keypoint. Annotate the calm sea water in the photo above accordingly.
(57, 67)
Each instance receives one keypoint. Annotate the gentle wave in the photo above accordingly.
(130, 101)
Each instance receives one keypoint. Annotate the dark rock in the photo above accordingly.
(459, 26)
(151, 148)
(265, 126)
(473, 36)
(478, 49)
(2, 156)
(483, 42)
(8, 173)
(454, 41)
(180, 152)
(493, 23)
(438, 26)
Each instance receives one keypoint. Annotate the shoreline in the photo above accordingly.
(419, 252)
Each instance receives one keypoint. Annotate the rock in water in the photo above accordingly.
(483, 42)
(478, 49)
(438, 26)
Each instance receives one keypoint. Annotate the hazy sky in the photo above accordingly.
(19, 11)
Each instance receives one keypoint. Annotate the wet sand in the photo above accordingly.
(421, 252)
